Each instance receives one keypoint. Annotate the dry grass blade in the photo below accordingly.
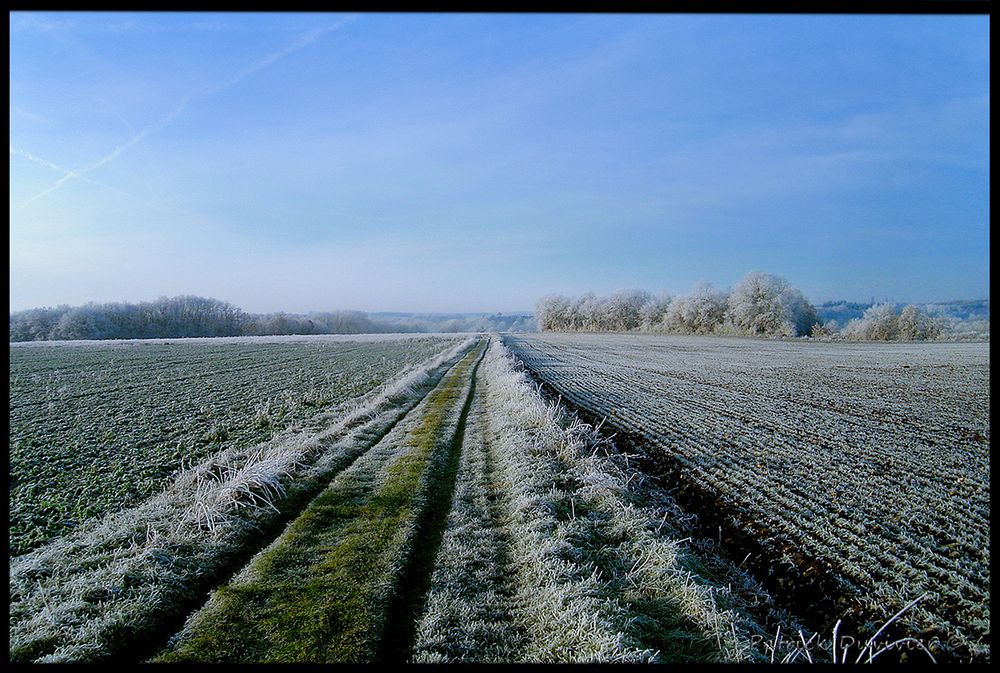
(869, 645)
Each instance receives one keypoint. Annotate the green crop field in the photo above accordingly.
(98, 426)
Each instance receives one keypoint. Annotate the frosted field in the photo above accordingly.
(419, 500)
(97, 426)
(856, 475)
(452, 516)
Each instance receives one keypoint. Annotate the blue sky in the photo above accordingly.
(451, 162)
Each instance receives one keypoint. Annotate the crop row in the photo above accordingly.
(872, 461)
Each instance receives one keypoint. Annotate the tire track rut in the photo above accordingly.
(415, 581)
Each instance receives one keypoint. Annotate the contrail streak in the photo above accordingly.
(303, 41)
(67, 174)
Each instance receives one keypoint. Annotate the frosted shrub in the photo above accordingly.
(763, 304)
(879, 323)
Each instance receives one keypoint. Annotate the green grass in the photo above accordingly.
(321, 593)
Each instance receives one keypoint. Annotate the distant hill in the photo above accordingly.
(456, 322)
(965, 309)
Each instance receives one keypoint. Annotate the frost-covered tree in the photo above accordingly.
(654, 311)
(828, 329)
(35, 324)
(801, 311)
(700, 312)
(78, 323)
(953, 328)
(554, 312)
(763, 304)
(915, 325)
(584, 312)
(624, 309)
(879, 323)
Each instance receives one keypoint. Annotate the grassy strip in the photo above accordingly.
(560, 603)
(105, 590)
(598, 579)
(469, 615)
(322, 591)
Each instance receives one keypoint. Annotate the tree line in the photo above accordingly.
(759, 305)
(192, 316)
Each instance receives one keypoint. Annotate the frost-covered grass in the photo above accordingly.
(102, 589)
(864, 464)
(470, 610)
(556, 553)
(97, 427)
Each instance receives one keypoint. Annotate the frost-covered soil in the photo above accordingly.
(859, 471)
